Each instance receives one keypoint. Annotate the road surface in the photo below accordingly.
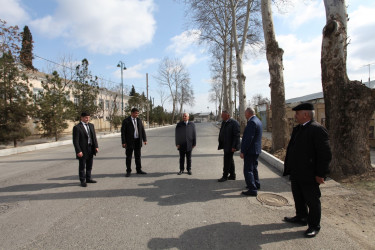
(42, 205)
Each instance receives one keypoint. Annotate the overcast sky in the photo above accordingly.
(142, 32)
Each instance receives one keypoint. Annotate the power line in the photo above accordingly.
(64, 66)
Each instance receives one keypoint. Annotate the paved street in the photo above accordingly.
(42, 205)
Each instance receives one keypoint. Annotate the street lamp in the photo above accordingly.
(121, 65)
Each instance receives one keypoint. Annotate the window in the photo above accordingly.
(76, 100)
(37, 92)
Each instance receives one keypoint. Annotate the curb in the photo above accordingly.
(29, 148)
(272, 160)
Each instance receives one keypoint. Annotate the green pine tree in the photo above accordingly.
(26, 55)
(15, 97)
(132, 91)
(54, 107)
(86, 90)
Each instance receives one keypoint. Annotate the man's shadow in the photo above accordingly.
(228, 235)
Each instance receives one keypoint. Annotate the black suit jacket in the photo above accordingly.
(127, 132)
(80, 140)
(229, 136)
(185, 136)
(308, 153)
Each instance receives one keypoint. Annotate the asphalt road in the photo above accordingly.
(42, 205)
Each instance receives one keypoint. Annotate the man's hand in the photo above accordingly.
(233, 150)
(124, 145)
(145, 142)
(80, 154)
(178, 146)
(242, 156)
(319, 180)
(97, 150)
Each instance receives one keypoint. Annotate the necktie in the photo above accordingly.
(88, 132)
(135, 128)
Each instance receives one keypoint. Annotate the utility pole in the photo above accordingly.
(369, 72)
(148, 104)
(121, 65)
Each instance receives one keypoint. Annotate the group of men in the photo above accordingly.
(307, 159)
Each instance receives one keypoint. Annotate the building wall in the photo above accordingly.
(100, 121)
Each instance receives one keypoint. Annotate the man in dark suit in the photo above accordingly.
(307, 162)
(132, 135)
(185, 142)
(229, 141)
(251, 147)
(86, 146)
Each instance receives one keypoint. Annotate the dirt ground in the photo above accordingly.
(350, 205)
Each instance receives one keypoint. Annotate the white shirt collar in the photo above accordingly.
(306, 123)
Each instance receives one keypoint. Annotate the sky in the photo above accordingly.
(140, 33)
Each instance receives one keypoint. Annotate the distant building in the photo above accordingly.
(105, 99)
(202, 117)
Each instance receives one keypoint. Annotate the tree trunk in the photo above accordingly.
(225, 85)
(280, 132)
(349, 105)
(239, 54)
(230, 77)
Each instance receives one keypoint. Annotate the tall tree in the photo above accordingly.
(239, 40)
(86, 89)
(132, 91)
(349, 105)
(213, 20)
(26, 55)
(171, 74)
(15, 95)
(54, 107)
(280, 132)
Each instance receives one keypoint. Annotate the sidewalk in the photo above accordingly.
(43, 143)
(268, 135)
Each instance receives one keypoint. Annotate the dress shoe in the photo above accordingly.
(189, 172)
(91, 181)
(141, 172)
(127, 174)
(249, 193)
(296, 220)
(180, 173)
(83, 184)
(311, 232)
(232, 177)
(222, 179)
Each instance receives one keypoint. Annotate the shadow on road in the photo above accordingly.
(227, 235)
(167, 192)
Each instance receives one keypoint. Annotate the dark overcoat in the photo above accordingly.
(252, 137)
(80, 140)
(185, 136)
(229, 136)
(127, 132)
(308, 153)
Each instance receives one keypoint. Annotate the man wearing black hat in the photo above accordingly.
(86, 146)
(307, 162)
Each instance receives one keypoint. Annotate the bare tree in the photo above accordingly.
(239, 40)
(163, 96)
(172, 74)
(216, 94)
(186, 95)
(213, 19)
(349, 105)
(280, 132)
